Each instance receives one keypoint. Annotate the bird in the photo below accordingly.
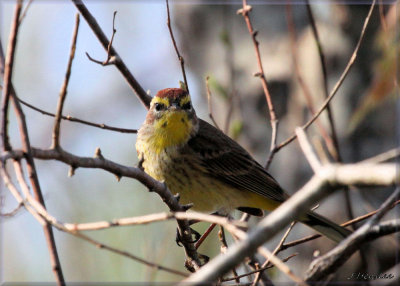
(207, 168)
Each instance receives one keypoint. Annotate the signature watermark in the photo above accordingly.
(367, 276)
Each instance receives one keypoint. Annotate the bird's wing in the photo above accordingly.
(227, 161)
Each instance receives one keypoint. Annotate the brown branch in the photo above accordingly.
(273, 120)
(338, 83)
(63, 91)
(275, 252)
(180, 58)
(6, 70)
(110, 60)
(315, 236)
(205, 235)
(118, 170)
(43, 214)
(12, 212)
(382, 17)
(330, 262)
(77, 120)
(119, 64)
(10, 93)
(304, 87)
(224, 247)
(334, 150)
(386, 156)
(210, 111)
(26, 147)
(270, 265)
(23, 14)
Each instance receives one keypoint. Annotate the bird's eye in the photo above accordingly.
(187, 106)
(159, 106)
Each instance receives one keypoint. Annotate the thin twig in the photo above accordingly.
(205, 235)
(7, 69)
(270, 265)
(224, 247)
(386, 156)
(273, 120)
(48, 231)
(382, 17)
(111, 59)
(42, 212)
(334, 150)
(275, 252)
(77, 120)
(118, 170)
(307, 150)
(210, 111)
(23, 14)
(304, 87)
(330, 262)
(315, 236)
(119, 64)
(12, 212)
(180, 58)
(337, 85)
(63, 91)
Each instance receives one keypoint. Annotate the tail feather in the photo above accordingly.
(326, 227)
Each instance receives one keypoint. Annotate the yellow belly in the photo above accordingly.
(195, 186)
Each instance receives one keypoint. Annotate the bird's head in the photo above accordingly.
(172, 116)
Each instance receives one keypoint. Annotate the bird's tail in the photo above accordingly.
(326, 227)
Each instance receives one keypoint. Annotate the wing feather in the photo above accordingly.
(214, 151)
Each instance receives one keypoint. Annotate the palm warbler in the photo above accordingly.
(206, 167)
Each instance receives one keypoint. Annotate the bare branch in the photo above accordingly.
(77, 120)
(205, 235)
(334, 150)
(331, 261)
(307, 150)
(210, 111)
(350, 222)
(12, 212)
(330, 178)
(10, 93)
(304, 87)
(121, 171)
(338, 83)
(43, 214)
(386, 156)
(180, 58)
(7, 69)
(120, 65)
(63, 91)
(23, 14)
(274, 121)
(275, 252)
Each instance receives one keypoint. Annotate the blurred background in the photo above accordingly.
(214, 42)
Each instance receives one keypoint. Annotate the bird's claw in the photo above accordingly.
(179, 239)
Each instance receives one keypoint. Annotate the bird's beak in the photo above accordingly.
(174, 106)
